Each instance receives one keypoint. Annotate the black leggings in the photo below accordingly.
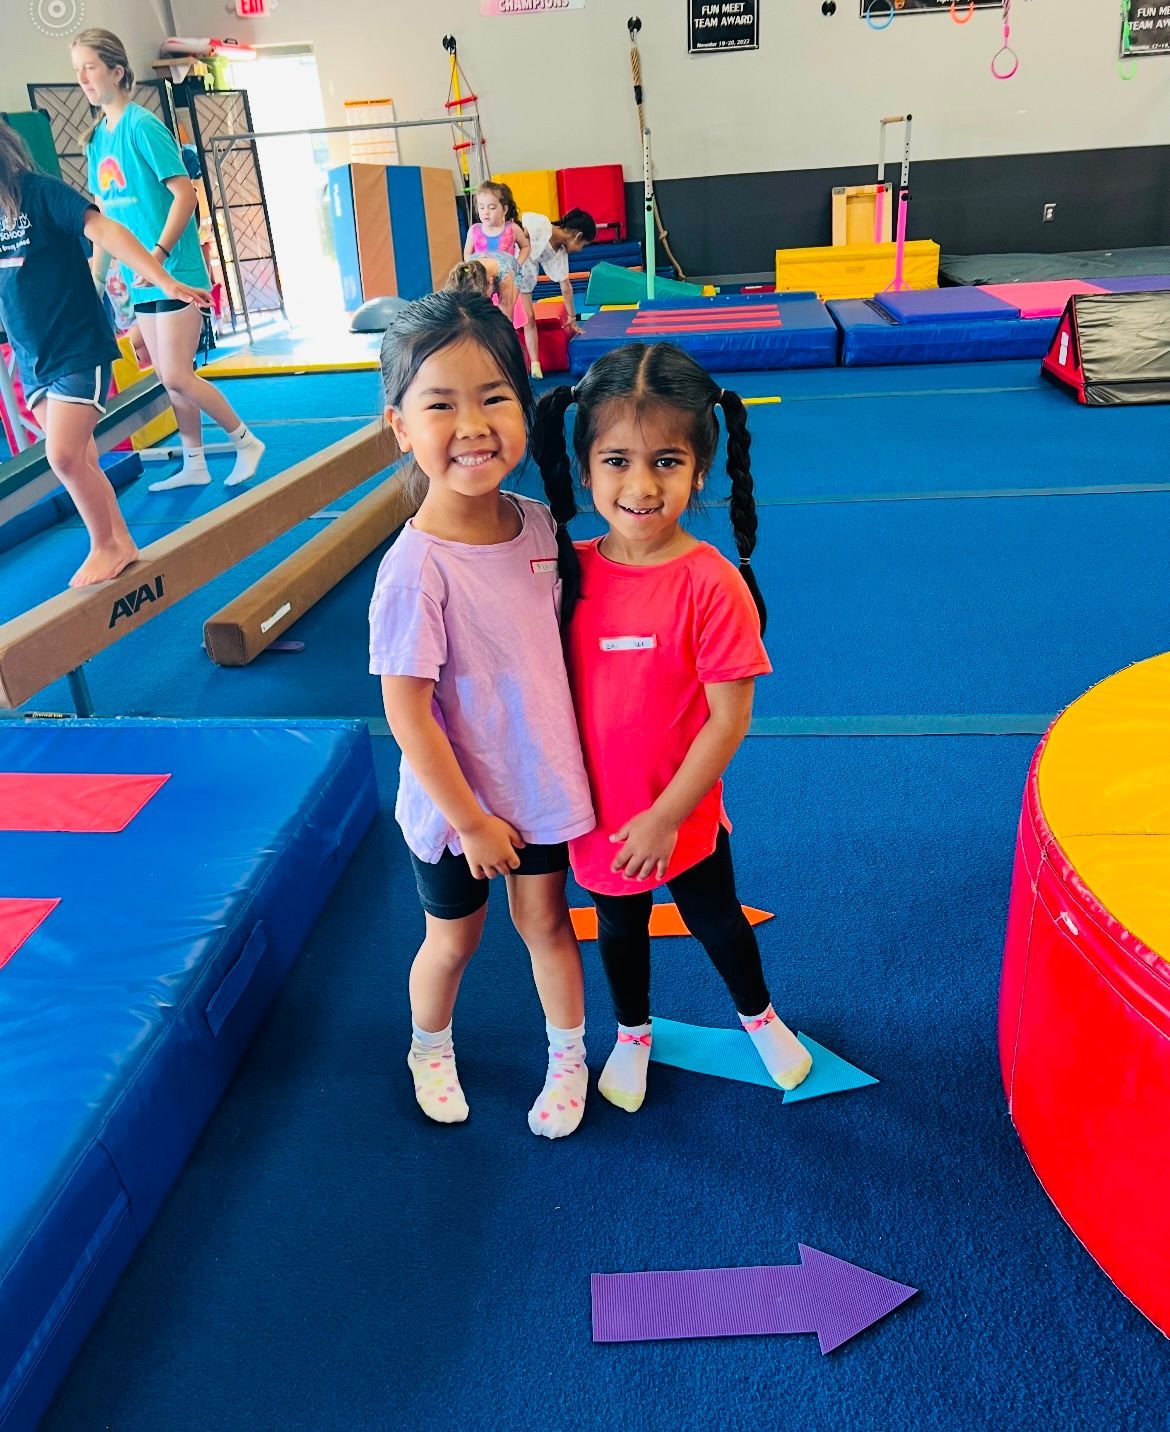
(706, 900)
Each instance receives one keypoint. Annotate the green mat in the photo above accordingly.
(608, 283)
(33, 127)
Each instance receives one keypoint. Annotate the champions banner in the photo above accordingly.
(527, 7)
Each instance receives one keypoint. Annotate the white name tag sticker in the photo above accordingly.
(628, 643)
(543, 564)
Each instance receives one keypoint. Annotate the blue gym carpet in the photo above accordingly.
(948, 550)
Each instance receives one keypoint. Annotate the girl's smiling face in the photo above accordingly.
(642, 476)
(462, 421)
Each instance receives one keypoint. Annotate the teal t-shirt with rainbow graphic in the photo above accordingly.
(128, 167)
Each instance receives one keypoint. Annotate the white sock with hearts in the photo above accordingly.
(436, 1084)
(561, 1103)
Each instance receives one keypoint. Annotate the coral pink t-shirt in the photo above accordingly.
(643, 642)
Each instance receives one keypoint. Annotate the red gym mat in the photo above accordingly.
(73, 803)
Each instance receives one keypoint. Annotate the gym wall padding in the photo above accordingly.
(401, 223)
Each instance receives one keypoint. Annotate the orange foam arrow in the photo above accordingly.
(664, 920)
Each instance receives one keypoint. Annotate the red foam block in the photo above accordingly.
(73, 803)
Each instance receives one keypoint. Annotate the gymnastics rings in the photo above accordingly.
(872, 9)
(1127, 67)
(967, 16)
(1001, 72)
(1004, 68)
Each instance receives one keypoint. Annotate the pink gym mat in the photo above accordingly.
(1045, 299)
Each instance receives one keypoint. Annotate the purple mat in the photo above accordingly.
(823, 1295)
(929, 305)
(1139, 283)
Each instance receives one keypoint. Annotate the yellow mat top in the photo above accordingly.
(1105, 791)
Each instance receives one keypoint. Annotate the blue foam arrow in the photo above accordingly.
(730, 1054)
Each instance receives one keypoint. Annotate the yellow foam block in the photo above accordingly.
(533, 189)
(856, 270)
(1104, 784)
(126, 373)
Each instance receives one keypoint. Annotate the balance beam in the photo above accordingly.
(246, 626)
(53, 639)
(28, 477)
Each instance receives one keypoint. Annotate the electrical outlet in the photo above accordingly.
(1049, 213)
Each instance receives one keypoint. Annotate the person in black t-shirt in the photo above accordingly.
(61, 335)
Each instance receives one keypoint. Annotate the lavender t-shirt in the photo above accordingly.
(481, 622)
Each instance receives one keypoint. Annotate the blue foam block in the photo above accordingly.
(806, 338)
(870, 338)
(946, 305)
(125, 1014)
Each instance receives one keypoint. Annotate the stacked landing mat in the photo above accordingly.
(731, 332)
(159, 880)
(949, 325)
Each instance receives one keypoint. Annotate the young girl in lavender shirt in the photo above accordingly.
(464, 634)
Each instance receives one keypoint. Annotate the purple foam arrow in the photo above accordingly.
(823, 1295)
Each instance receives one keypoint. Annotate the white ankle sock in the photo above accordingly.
(561, 1103)
(193, 473)
(623, 1080)
(249, 451)
(436, 1084)
(785, 1058)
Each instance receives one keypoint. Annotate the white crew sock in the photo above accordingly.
(785, 1058)
(193, 473)
(436, 1084)
(561, 1103)
(623, 1080)
(249, 451)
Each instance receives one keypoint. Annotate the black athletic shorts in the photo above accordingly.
(162, 305)
(449, 891)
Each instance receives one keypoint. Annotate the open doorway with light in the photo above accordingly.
(284, 93)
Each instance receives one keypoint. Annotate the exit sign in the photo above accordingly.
(252, 9)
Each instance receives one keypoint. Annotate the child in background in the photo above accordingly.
(62, 337)
(464, 634)
(663, 647)
(550, 247)
(489, 275)
(499, 234)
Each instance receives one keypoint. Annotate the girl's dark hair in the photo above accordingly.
(15, 163)
(658, 376)
(504, 195)
(429, 325)
(580, 222)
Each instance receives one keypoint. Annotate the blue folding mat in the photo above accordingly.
(872, 337)
(945, 305)
(725, 333)
(159, 879)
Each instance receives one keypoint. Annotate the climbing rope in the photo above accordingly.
(634, 24)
